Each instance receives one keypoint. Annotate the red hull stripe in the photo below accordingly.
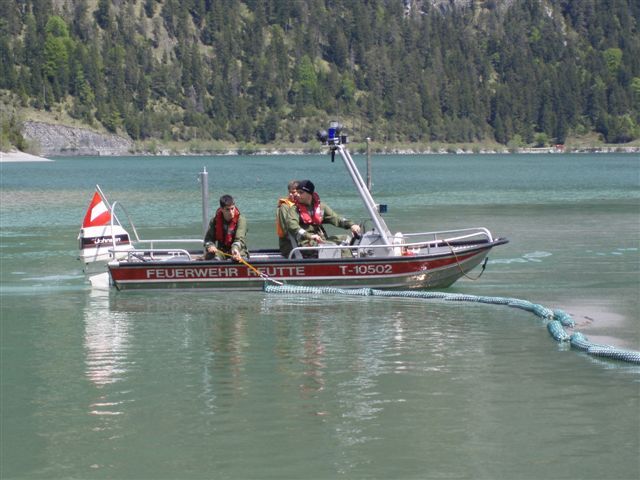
(189, 272)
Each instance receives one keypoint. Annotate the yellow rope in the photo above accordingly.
(255, 270)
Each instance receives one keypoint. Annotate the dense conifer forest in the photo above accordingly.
(259, 71)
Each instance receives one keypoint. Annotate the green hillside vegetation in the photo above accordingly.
(526, 72)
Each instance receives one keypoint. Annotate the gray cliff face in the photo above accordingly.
(52, 140)
(443, 6)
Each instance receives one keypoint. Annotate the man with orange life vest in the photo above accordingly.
(282, 211)
(227, 232)
(304, 222)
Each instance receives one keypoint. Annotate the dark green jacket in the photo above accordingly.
(239, 240)
(301, 232)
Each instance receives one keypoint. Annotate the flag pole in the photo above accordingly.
(204, 184)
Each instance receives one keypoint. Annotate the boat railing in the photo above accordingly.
(448, 238)
(157, 254)
(326, 250)
(181, 241)
(402, 244)
(115, 218)
(400, 247)
(454, 235)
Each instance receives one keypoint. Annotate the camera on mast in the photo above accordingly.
(333, 136)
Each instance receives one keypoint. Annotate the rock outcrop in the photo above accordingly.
(52, 140)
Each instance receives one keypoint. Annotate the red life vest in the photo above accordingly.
(315, 216)
(226, 239)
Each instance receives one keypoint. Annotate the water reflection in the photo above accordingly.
(299, 343)
(198, 343)
(106, 345)
(399, 343)
(344, 354)
(228, 343)
(312, 358)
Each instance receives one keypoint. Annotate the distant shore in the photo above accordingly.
(17, 156)
(52, 139)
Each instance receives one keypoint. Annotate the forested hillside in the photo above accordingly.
(261, 71)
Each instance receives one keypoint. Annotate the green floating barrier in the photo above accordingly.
(557, 332)
(579, 341)
(564, 318)
(614, 353)
(557, 319)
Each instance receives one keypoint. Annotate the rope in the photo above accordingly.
(556, 319)
(484, 264)
(262, 275)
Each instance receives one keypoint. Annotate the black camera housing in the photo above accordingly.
(332, 136)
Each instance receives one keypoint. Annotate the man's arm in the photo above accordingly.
(334, 219)
(210, 236)
(240, 239)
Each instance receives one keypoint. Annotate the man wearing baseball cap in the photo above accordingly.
(304, 222)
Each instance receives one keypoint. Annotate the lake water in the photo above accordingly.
(196, 384)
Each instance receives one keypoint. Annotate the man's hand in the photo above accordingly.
(355, 229)
(235, 254)
(317, 238)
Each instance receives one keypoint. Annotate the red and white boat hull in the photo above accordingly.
(419, 271)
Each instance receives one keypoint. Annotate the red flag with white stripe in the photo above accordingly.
(97, 214)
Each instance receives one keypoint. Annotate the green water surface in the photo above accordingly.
(197, 384)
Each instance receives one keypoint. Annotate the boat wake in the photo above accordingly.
(526, 258)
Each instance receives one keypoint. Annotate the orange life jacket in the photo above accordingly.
(280, 229)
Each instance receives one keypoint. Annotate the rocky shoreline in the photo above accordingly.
(60, 140)
(52, 140)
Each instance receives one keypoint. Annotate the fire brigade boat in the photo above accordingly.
(376, 259)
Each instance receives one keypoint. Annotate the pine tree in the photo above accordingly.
(103, 14)
(257, 71)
